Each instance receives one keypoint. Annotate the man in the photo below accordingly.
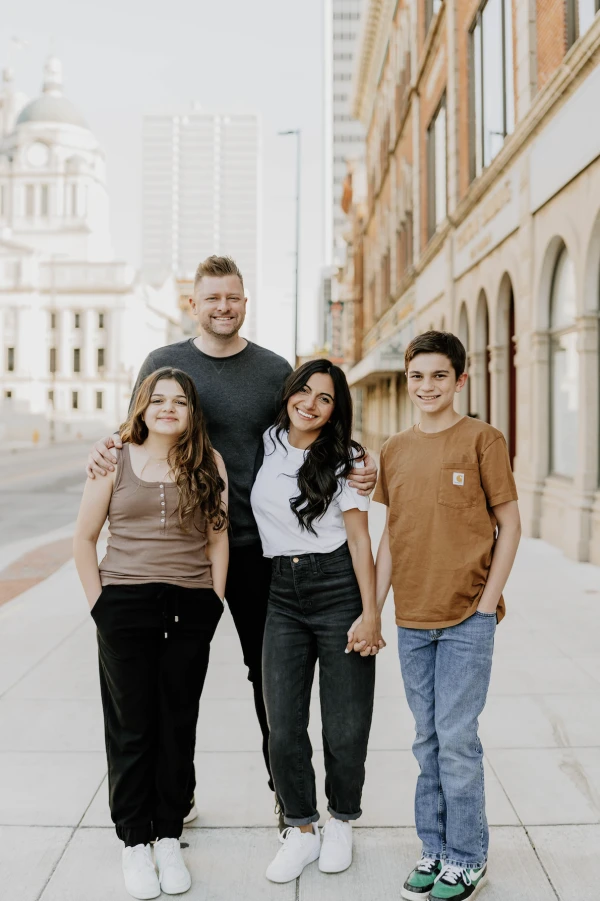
(239, 384)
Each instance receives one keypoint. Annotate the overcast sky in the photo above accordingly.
(123, 58)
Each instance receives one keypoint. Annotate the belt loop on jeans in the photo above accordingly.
(313, 564)
(277, 565)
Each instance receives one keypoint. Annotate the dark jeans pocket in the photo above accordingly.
(99, 601)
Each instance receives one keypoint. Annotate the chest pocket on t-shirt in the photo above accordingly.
(459, 485)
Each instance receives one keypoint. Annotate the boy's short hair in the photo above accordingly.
(218, 267)
(438, 343)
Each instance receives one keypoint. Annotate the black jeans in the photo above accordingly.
(314, 600)
(153, 645)
(247, 594)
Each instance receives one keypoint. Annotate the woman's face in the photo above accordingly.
(312, 406)
(168, 411)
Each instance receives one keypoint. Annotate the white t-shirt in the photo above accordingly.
(275, 485)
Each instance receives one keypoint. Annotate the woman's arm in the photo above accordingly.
(92, 516)
(217, 549)
(367, 635)
(509, 535)
(383, 580)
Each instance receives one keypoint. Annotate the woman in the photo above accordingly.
(314, 527)
(156, 601)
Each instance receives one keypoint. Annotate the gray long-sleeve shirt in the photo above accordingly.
(240, 397)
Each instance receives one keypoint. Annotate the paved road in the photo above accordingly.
(41, 488)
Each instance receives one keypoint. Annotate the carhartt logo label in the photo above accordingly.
(458, 478)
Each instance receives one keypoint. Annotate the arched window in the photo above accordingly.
(564, 369)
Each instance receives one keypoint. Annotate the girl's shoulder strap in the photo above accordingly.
(123, 465)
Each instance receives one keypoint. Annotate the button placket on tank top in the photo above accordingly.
(162, 508)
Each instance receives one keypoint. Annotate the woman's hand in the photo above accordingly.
(364, 636)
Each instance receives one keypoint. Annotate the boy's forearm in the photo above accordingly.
(505, 552)
(86, 561)
(383, 570)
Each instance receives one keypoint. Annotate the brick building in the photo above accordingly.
(482, 216)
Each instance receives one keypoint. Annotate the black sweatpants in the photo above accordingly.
(154, 645)
(247, 594)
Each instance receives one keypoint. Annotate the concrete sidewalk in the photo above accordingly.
(541, 732)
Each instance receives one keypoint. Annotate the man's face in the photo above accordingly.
(432, 382)
(219, 305)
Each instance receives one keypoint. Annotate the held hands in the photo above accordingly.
(364, 637)
(101, 460)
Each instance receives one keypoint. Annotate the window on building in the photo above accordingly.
(100, 320)
(580, 15)
(432, 7)
(29, 201)
(44, 201)
(404, 247)
(51, 398)
(8, 395)
(77, 320)
(52, 320)
(99, 400)
(76, 359)
(100, 355)
(75, 400)
(436, 170)
(52, 360)
(564, 369)
(492, 88)
(10, 359)
(73, 200)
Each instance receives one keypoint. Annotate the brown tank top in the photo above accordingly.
(146, 543)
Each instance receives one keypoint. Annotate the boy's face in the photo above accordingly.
(432, 382)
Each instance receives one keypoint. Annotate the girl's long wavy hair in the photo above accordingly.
(191, 459)
(332, 455)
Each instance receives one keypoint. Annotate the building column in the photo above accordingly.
(477, 370)
(499, 387)
(533, 423)
(586, 477)
(393, 407)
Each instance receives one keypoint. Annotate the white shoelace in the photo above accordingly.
(451, 875)
(142, 859)
(169, 853)
(335, 830)
(288, 838)
(426, 865)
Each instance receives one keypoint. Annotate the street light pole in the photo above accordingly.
(297, 133)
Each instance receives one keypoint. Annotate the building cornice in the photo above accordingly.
(374, 40)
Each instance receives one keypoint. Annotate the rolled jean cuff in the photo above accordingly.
(468, 865)
(434, 855)
(344, 817)
(301, 821)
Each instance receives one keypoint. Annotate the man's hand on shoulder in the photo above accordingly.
(101, 460)
(364, 478)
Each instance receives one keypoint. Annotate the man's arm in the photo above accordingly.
(509, 535)
(101, 460)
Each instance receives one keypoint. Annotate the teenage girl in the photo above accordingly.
(314, 527)
(156, 599)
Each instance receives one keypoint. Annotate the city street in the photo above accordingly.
(541, 732)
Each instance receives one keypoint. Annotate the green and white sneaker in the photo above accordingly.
(421, 880)
(458, 883)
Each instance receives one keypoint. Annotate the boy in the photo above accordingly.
(448, 486)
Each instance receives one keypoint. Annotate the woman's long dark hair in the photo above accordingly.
(191, 459)
(332, 455)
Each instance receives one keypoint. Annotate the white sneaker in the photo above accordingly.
(298, 849)
(141, 880)
(336, 850)
(173, 874)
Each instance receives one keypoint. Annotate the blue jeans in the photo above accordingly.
(314, 600)
(446, 675)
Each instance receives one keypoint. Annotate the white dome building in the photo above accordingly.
(74, 323)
